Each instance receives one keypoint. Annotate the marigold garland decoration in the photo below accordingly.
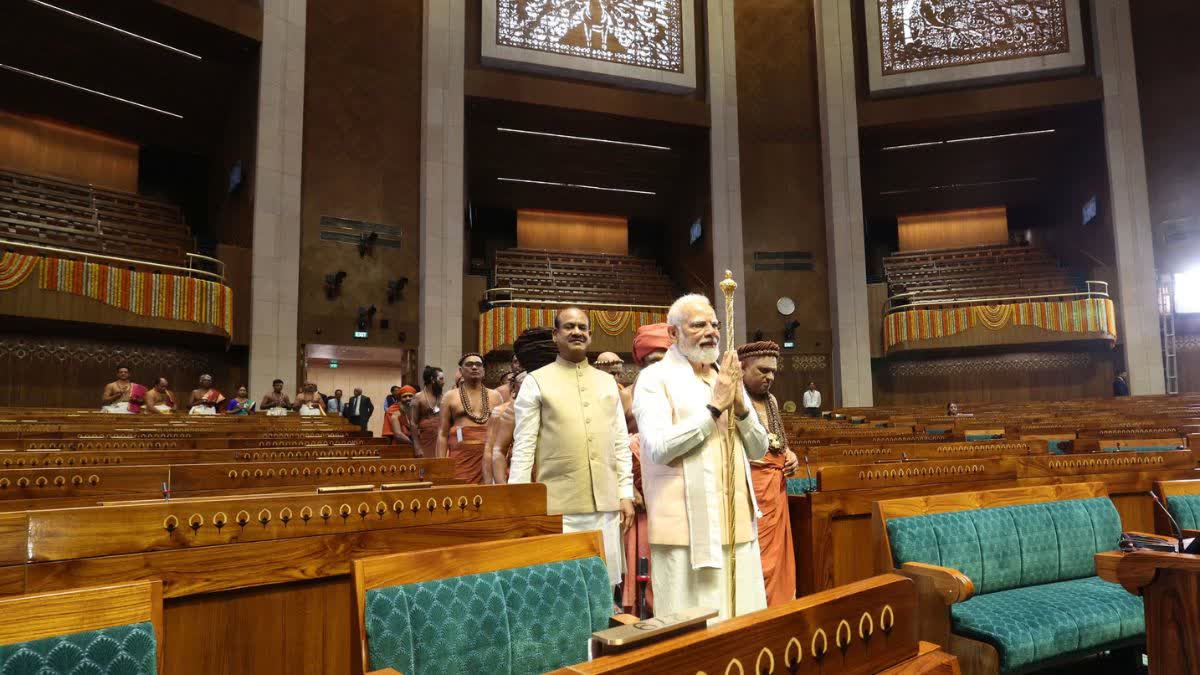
(15, 268)
(1090, 315)
(612, 323)
(499, 326)
(165, 296)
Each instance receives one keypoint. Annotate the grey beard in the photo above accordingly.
(698, 354)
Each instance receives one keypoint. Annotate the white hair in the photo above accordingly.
(676, 315)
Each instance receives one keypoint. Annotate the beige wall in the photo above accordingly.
(376, 382)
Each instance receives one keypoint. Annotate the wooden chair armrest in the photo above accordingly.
(949, 584)
(384, 671)
(1187, 534)
(622, 620)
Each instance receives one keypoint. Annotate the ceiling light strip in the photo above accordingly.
(993, 137)
(47, 78)
(956, 186)
(967, 139)
(122, 31)
(577, 186)
(589, 139)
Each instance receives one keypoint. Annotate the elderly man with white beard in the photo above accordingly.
(682, 405)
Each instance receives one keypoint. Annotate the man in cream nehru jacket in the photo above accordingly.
(569, 421)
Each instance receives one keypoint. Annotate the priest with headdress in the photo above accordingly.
(760, 362)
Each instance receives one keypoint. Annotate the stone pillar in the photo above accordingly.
(275, 267)
(724, 161)
(843, 203)
(1137, 304)
(442, 184)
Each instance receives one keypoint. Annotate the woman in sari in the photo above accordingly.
(240, 404)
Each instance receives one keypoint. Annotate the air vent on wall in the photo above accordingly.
(776, 261)
(351, 232)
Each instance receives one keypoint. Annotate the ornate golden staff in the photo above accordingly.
(728, 286)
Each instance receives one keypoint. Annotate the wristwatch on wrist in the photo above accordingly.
(742, 416)
(713, 409)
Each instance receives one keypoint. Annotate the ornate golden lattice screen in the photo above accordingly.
(642, 42)
(646, 33)
(938, 33)
(914, 43)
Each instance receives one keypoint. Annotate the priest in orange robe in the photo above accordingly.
(760, 362)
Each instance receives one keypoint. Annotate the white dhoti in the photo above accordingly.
(677, 586)
(164, 408)
(277, 412)
(120, 408)
(609, 525)
(309, 411)
(202, 410)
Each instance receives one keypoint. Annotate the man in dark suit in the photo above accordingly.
(358, 409)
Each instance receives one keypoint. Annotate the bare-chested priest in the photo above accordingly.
(760, 361)
(205, 398)
(571, 424)
(275, 402)
(425, 413)
(465, 413)
(160, 399)
(115, 398)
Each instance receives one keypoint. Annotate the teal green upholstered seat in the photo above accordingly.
(984, 436)
(1186, 510)
(1037, 595)
(119, 650)
(1059, 447)
(1143, 448)
(522, 620)
(800, 486)
(1037, 623)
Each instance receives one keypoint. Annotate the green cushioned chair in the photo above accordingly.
(1186, 510)
(110, 630)
(1030, 588)
(504, 616)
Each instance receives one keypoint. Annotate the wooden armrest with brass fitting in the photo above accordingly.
(950, 584)
(645, 631)
(622, 620)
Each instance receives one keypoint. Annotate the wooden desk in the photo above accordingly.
(1169, 584)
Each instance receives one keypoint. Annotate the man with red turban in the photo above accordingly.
(395, 418)
(760, 361)
(650, 344)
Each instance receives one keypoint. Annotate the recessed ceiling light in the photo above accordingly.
(64, 83)
(993, 137)
(967, 139)
(109, 26)
(957, 186)
(576, 186)
(589, 139)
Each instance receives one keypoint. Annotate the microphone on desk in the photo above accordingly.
(1174, 525)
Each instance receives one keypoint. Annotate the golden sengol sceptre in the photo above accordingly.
(728, 286)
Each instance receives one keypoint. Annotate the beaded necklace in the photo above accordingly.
(774, 425)
(487, 410)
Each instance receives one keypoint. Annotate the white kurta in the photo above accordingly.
(527, 410)
(677, 429)
(608, 523)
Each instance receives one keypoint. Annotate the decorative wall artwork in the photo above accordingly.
(928, 43)
(644, 43)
